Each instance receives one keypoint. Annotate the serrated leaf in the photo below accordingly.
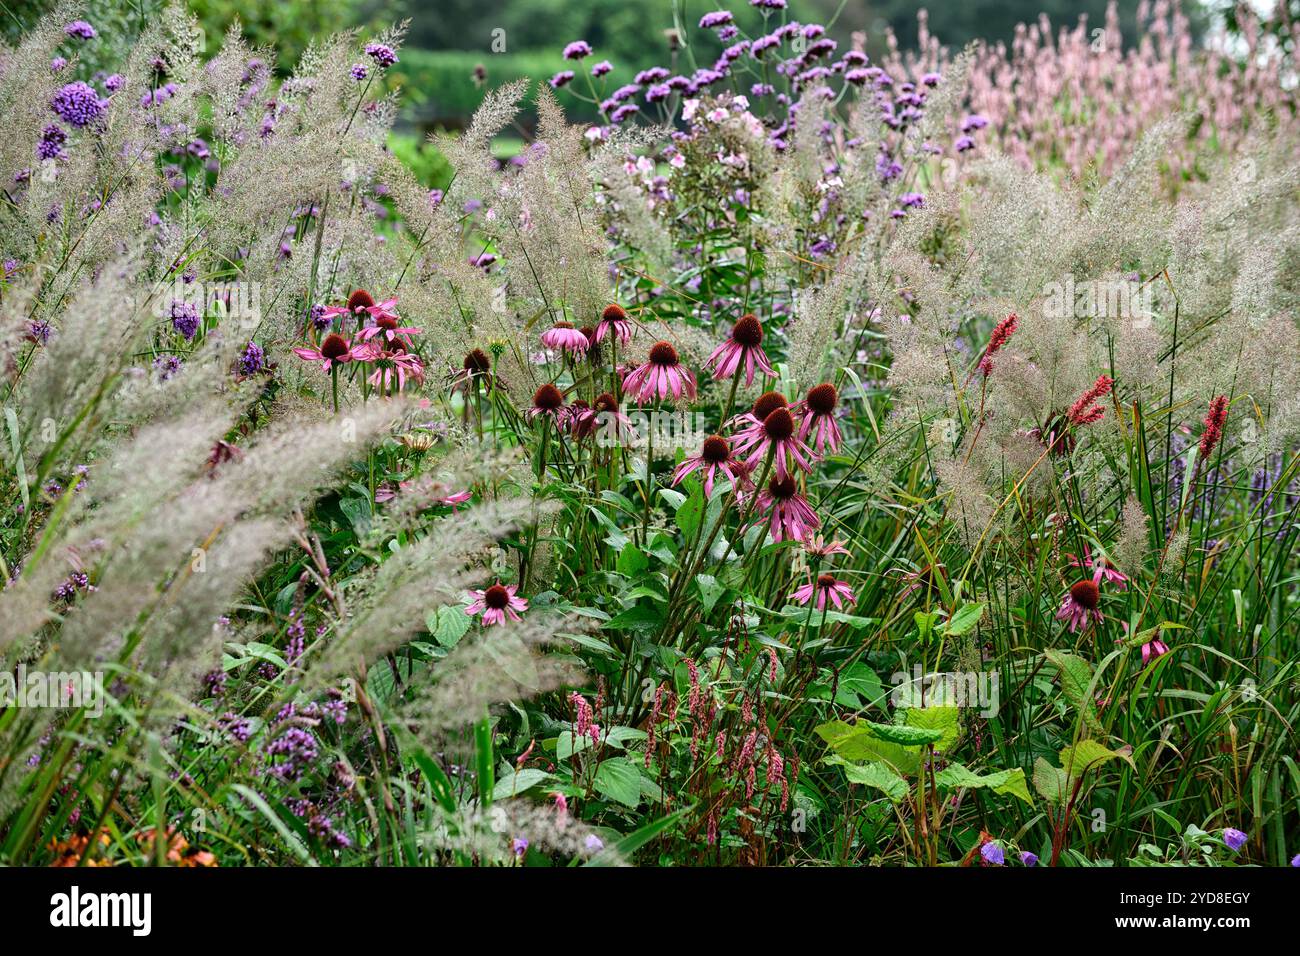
(941, 720)
(691, 512)
(1076, 678)
(1050, 782)
(449, 625)
(956, 776)
(879, 776)
(1087, 754)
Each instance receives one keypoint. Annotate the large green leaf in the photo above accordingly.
(619, 780)
(881, 776)
(1076, 679)
(955, 776)
(859, 743)
(941, 720)
(1087, 754)
(516, 783)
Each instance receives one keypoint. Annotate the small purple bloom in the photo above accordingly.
(80, 29)
(563, 78)
(601, 68)
(992, 854)
(520, 846)
(114, 82)
(51, 145)
(717, 18)
(1234, 839)
(57, 64)
(381, 53)
(1028, 859)
(577, 50)
(252, 360)
(78, 104)
(358, 72)
(185, 318)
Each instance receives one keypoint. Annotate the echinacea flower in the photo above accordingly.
(607, 417)
(1154, 649)
(743, 347)
(819, 417)
(1080, 605)
(992, 854)
(614, 319)
(662, 375)
(386, 327)
(789, 516)
(775, 434)
(475, 367)
(497, 603)
(334, 350)
(819, 547)
(1234, 839)
(715, 456)
(548, 401)
(392, 364)
(563, 337)
(825, 586)
(1102, 569)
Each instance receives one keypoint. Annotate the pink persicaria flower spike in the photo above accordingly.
(386, 327)
(548, 401)
(563, 337)
(1102, 569)
(1214, 420)
(818, 419)
(1080, 608)
(776, 434)
(743, 348)
(334, 350)
(789, 517)
(1001, 334)
(824, 587)
(661, 376)
(1153, 649)
(497, 603)
(614, 321)
(1083, 411)
(714, 457)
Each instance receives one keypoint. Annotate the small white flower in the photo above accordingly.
(688, 109)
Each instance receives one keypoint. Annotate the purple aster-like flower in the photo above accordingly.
(185, 318)
(563, 78)
(601, 68)
(623, 112)
(78, 104)
(252, 360)
(80, 29)
(51, 145)
(577, 50)
(114, 82)
(168, 366)
(519, 846)
(381, 53)
(57, 64)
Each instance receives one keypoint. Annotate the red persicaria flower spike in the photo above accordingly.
(1214, 420)
(744, 347)
(661, 376)
(1083, 412)
(1001, 334)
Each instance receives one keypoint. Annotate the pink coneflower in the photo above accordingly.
(1002, 332)
(497, 603)
(392, 364)
(608, 418)
(1080, 605)
(1084, 412)
(1153, 649)
(819, 417)
(1102, 569)
(563, 337)
(358, 305)
(386, 326)
(661, 376)
(789, 517)
(614, 319)
(334, 350)
(777, 435)
(819, 547)
(1214, 420)
(714, 457)
(548, 400)
(825, 586)
(744, 346)
(475, 368)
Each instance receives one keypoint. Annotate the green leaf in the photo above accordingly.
(940, 720)
(710, 590)
(1076, 679)
(691, 513)
(955, 777)
(449, 625)
(619, 780)
(516, 783)
(967, 616)
(638, 617)
(860, 743)
(881, 777)
(1050, 782)
(1087, 754)
(624, 847)
(632, 562)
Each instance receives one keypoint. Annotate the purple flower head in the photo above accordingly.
(658, 93)
(185, 318)
(601, 68)
(519, 846)
(931, 79)
(768, 4)
(1295, 860)
(623, 112)
(563, 78)
(358, 72)
(717, 18)
(114, 82)
(656, 74)
(963, 143)
(51, 145)
(168, 366)
(577, 50)
(78, 104)
(381, 53)
(992, 854)
(973, 122)
(80, 29)
(252, 359)
(57, 64)
(1234, 839)
(1028, 859)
